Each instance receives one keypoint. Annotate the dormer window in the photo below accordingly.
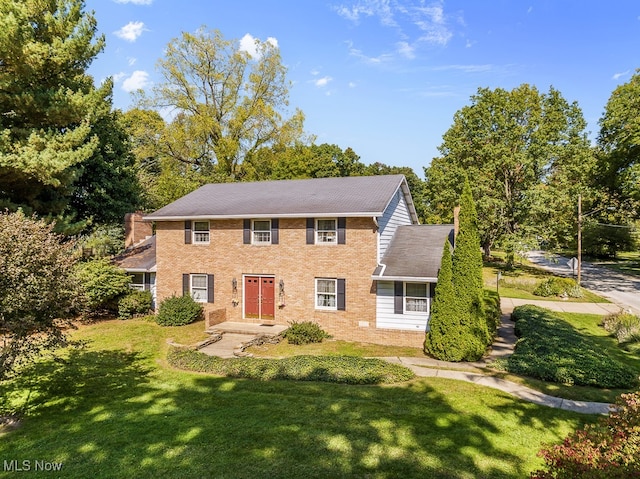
(326, 231)
(200, 232)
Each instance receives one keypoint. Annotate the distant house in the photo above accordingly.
(347, 253)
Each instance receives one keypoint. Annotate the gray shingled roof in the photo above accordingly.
(414, 253)
(139, 258)
(349, 196)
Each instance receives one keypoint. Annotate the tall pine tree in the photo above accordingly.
(57, 142)
(443, 337)
(467, 279)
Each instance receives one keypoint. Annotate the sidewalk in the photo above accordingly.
(235, 334)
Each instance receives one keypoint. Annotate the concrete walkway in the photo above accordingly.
(235, 334)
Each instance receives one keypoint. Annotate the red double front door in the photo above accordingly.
(259, 297)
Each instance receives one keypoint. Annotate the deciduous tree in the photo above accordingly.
(619, 143)
(525, 154)
(37, 289)
(226, 102)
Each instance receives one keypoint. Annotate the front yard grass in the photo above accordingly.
(522, 280)
(333, 347)
(114, 409)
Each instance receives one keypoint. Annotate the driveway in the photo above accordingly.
(621, 289)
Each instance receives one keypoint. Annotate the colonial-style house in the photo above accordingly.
(347, 253)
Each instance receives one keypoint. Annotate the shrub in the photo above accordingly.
(335, 369)
(609, 449)
(178, 311)
(102, 283)
(550, 349)
(558, 287)
(624, 326)
(305, 332)
(492, 311)
(135, 302)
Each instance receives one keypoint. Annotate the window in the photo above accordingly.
(261, 231)
(326, 294)
(201, 232)
(137, 281)
(199, 287)
(326, 231)
(415, 298)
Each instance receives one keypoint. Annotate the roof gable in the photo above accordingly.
(318, 197)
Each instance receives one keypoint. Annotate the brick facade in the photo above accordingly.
(291, 261)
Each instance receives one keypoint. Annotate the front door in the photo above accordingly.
(259, 297)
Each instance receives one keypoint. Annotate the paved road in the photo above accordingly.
(622, 289)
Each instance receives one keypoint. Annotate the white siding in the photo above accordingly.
(387, 319)
(396, 214)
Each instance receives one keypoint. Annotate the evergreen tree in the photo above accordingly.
(467, 280)
(63, 154)
(443, 337)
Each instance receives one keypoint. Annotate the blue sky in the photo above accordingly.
(385, 77)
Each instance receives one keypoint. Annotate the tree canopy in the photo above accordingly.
(225, 103)
(56, 130)
(619, 143)
(524, 153)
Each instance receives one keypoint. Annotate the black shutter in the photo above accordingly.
(311, 226)
(432, 290)
(342, 230)
(147, 281)
(398, 297)
(341, 295)
(209, 288)
(275, 237)
(187, 232)
(186, 285)
(246, 233)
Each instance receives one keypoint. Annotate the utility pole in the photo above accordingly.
(579, 238)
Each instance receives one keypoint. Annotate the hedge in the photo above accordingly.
(550, 349)
(334, 369)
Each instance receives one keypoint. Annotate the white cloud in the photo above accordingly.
(322, 82)
(248, 44)
(466, 68)
(131, 61)
(424, 22)
(131, 31)
(138, 80)
(352, 84)
(617, 76)
(119, 76)
(135, 2)
(406, 50)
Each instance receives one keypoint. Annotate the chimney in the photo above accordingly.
(456, 221)
(135, 229)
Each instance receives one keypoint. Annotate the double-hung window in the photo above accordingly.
(326, 231)
(330, 294)
(198, 287)
(261, 231)
(200, 232)
(415, 298)
(326, 294)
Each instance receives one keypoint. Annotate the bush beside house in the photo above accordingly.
(178, 311)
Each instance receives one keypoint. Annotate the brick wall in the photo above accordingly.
(292, 261)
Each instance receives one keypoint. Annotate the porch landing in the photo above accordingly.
(246, 328)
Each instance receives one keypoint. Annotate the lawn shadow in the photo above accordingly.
(109, 414)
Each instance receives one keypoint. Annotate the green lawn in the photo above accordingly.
(114, 409)
(522, 280)
(626, 262)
